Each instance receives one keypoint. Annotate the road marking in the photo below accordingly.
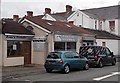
(103, 77)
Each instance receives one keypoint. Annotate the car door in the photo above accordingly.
(108, 56)
(79, 61)
(69, 58)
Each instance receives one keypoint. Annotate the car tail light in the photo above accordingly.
(96, 57)
(61, 61)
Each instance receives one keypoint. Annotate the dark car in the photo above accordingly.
(65, 61)
(98, 55)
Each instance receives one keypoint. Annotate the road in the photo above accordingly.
(107, 73)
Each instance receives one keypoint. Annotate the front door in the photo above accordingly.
(27, 52)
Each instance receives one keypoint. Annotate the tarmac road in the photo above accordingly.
(107, 73)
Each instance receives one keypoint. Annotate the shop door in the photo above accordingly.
(27, 52)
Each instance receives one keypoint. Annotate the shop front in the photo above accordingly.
(88, 40)
(18, 49)
(65, 42)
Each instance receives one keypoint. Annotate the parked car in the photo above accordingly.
(98, 55)
(65, 61)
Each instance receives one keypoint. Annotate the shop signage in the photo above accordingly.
(65, 38)
(88, 38)
(11, 37)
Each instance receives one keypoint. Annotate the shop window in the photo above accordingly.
(112, 26)
(14, 48)
(65, 46)
(71, 46)
(59, 46)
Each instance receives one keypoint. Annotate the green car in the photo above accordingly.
(65, 61)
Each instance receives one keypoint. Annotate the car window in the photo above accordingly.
(76, 55)
(54, 55)
(69, 55)
(86, 51)
(108, 51)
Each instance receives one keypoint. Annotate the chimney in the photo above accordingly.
(47, 11)
(29, 13)
(68, 8)
(15, 17)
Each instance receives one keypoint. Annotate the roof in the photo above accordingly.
(13, 27)
(100, 34)
(58, 26)
(62, 16)
(110, 12)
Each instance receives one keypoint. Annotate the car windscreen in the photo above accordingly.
(86, 51)
(54, 55)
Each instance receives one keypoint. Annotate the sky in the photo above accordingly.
(20, 7)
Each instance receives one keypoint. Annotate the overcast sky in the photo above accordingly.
(19, 7)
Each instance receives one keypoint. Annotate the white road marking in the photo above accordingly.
(103, 77)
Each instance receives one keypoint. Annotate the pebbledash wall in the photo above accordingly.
(112, 44)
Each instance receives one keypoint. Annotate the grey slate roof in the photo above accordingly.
(62, 16)
(100, 34)
(110, 12)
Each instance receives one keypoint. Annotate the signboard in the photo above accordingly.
(66, 38)
(39, 44)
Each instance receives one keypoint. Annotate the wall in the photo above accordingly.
(38, 57)
(48, 17)
(112, 44)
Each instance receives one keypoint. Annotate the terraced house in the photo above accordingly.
(100, 21)
(29, 39)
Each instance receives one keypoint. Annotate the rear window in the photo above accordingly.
(54, 55)
(86, 51)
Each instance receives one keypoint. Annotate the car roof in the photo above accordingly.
(93, 46)
(63, 51)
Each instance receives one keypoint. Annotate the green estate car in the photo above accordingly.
(65, 61)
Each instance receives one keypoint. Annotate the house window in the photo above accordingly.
(95, 24)
(100, 25)
(103, 43)
(112, 26)
(14, 48)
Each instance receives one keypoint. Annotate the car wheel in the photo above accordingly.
(100, 64)
(66, 69)
(86, 66)
(113, 62)
(49, 70)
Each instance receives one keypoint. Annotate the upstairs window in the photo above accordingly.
(112, 26)
(96, 24)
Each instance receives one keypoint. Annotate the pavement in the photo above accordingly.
(19, 71)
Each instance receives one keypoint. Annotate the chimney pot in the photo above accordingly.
(29, 13)
(47, 11)
(68, 8)
(15, 17)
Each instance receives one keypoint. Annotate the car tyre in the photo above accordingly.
(113, 62)
(49, 70)
(66, 69)
(86, 66)
(100, 64)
